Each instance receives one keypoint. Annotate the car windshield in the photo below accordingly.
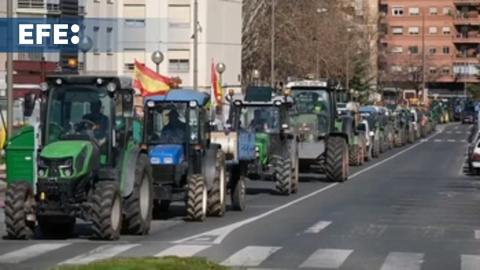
(78, 110)
(166, 123)
(259, 118)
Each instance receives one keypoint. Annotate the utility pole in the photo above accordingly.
(272, 51)
(195, 45)
(423, 56)
(10, 68)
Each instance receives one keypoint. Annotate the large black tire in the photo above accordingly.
(139, 205)
(106, 210)
(295, 175)
(283, 174)
(216, 196)
(383, 145)
(19, 202)
(375, 148)
(354, 155)
(197, 198)
(237, 191)
(336, 161)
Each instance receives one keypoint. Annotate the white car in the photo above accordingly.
(473, 154)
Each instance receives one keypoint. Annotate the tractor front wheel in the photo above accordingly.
(216, 196)
(336, 162)
(197, 198)
(237, 190)
(354, 155)
(106, 210)
(19, 201)
(283, 174)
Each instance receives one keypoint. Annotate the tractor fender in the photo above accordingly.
(208, 163)
(128, 167)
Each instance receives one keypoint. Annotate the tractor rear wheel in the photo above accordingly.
(398, 140)
(354, 155)
(295, 177)
(237, 189)
(283, 174)
(336, 162)
(383, 145)
(375, 148)
(139, 205)
(106, 210)
(19, 202)
(197, 198)
(216, 196)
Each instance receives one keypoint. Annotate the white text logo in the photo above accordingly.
(58, 32)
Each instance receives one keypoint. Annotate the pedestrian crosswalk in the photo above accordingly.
(253, 257)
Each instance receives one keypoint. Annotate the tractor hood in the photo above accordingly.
(306, 126)
(63, 149)
(166, 154)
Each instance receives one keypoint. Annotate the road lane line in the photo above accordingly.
(100, 253)
(437, 140)
(318, 227)
(470, 262)
(451, 140)
(24, 254)
(250, 256)
(477, 234)
(327, 258)
(403, 261)
(217, 235)
(182, 250)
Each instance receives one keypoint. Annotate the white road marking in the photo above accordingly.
(424, 140)
(183, 250)
(250, 256)
(29, 252)
(437, 140)
(451, 140)
(327, 258)
(100, 253)
(318, 227)
(458, 132)
(477, 234)
(448, 132)
(403, 261)
(217, 235)
(470, 262)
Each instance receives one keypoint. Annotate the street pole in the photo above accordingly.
(272, 51)
(195, 45)
(423, 57)
(10, 70)
(347, 83)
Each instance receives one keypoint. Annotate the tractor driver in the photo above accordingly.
(98, 118)
(258, 122)
(174, 127)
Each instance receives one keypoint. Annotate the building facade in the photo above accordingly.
(436, 39)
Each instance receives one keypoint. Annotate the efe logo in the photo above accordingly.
(45, 30)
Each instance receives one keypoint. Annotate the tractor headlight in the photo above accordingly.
(43, 86)
(257, 149)
(192, 104)
(67, 172)
(372, 133)
(41, 172)
(277, 103)
(111, 87)
(168, 160)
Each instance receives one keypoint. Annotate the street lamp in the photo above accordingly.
(255, 75)
(220, 69)
(319, 12)
(272, 49)
(347, 72)
(157, 58)
(85, 45)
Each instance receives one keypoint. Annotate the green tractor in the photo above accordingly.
(87, 163)
(357, 138)
(313, 118)
(400, 129)
(276, 153)
(187, 165)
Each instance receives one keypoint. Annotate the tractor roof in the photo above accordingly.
(260, 96)
(124, 81)
(182, 95)
(305, 84)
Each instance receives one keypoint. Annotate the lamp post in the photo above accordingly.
(319, 12)
(195, 44)
(85, 45)
(157, 58)
(10, 43)
(347, 72)
(256, 76)
(272, 49)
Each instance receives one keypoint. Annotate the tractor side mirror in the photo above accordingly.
(29, 104)
(128, 108)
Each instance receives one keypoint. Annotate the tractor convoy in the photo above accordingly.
(93, 157)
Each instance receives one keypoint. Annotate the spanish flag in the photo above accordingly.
(149, 82)
(217, 91)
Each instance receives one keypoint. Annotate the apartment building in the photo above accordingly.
(447, 31)
(168, 26)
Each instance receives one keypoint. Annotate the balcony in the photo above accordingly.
(38, 6)
(470, 18)
(466, 2)
(469, 58)
(467, 38)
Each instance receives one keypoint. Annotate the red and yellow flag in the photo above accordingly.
(217, 91)
(149, 82)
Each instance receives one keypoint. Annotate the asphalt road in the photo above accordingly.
(413, 208)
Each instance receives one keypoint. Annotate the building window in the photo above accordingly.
(414, 11)
(446, 11)
(432, 70)
(397, 50)
(433, 11)
(413, 30)
(446, 50)
(445, 70)
(413, 49)
(95, 39)
(446, 30)
(179, 60)
(109, 39)
(134, 15)
(397, 30)
(432, 50)
(397, 11)
(129, 57)
(432, 30)
(179, 15)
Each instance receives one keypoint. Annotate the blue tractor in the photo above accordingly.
(186, 165)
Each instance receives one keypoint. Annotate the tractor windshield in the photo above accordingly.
(311, 110)
(78, 110)
(259, 118)
(166, 123)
